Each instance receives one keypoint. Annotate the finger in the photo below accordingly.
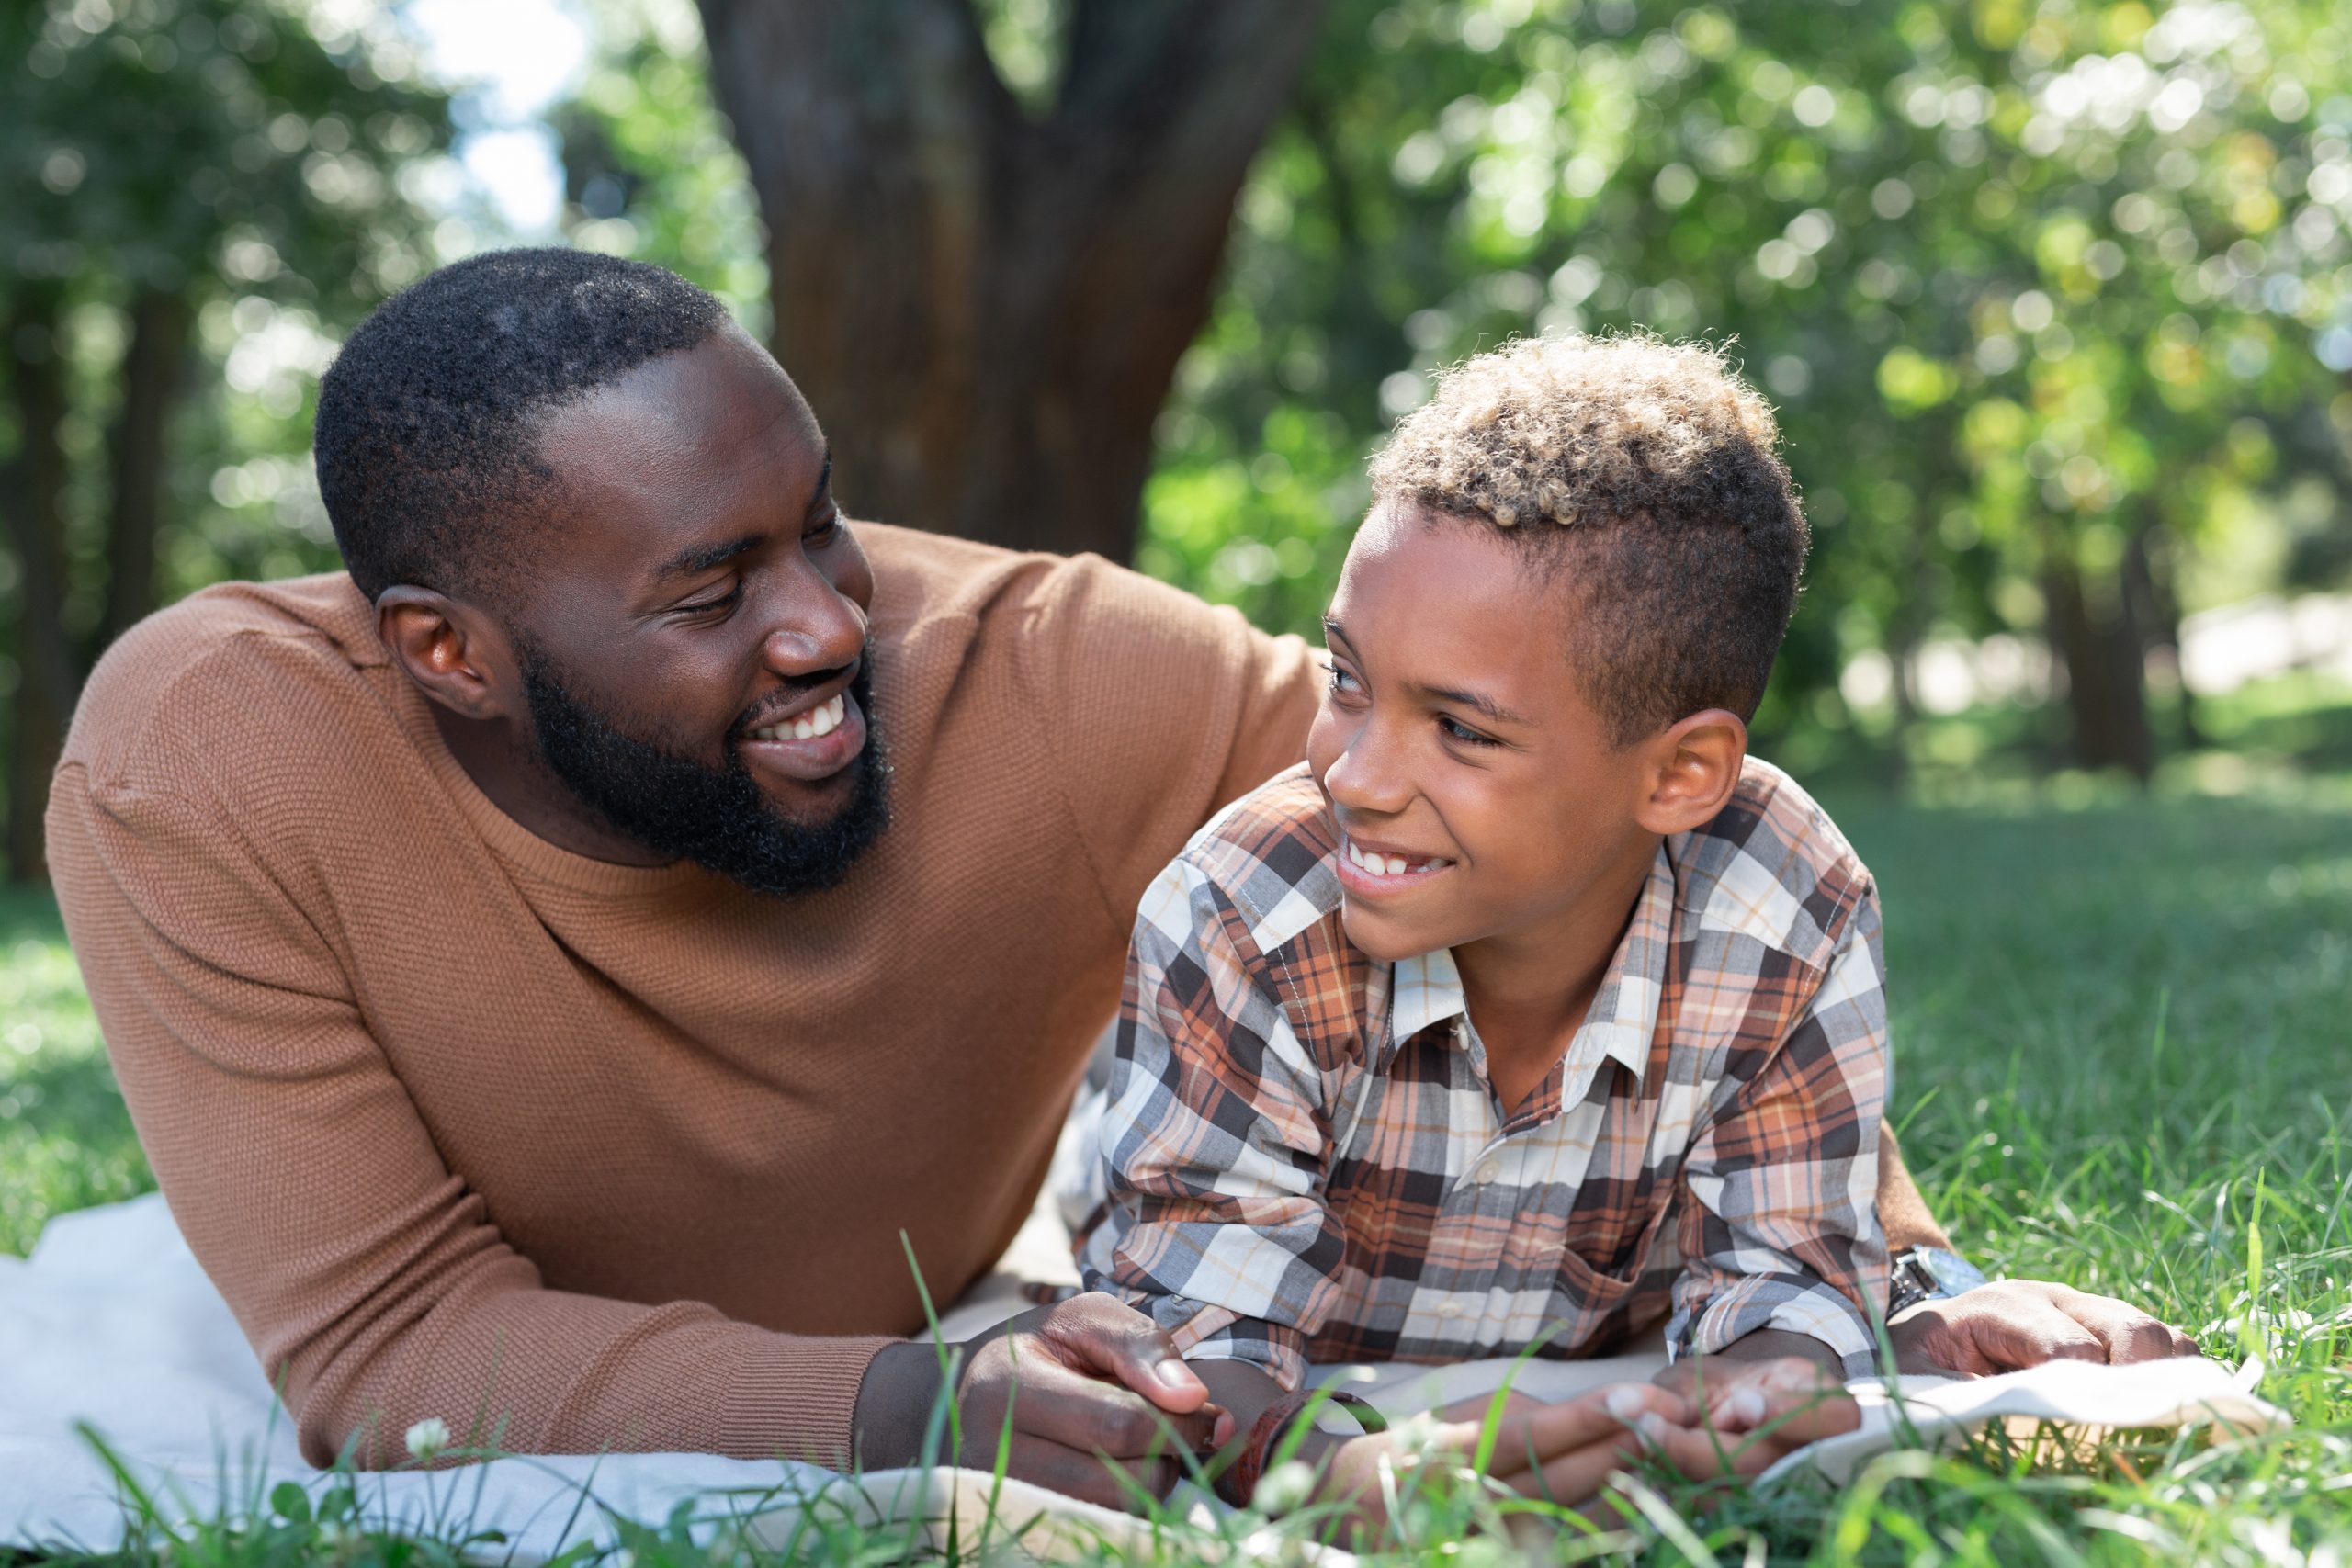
(1525, 1444)
(1089, 1477)
(1705, 1455)
(2185, 1345)
(1096, 1333)
(1811, 1419)
(1086, 1414)
(2127, 1334)
(2035, 1332)
(1577, 1476)
(1474, 1410)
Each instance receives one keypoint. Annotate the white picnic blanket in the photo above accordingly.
(112, 1328)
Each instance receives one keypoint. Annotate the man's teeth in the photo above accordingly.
(817, 721)
(1386, 866)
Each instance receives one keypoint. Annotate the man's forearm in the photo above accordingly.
(1902, 1212)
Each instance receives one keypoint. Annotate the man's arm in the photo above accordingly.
(1902, 1212)
(370, 1279)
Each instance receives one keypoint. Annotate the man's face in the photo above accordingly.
(694, 636)
(1477, 791)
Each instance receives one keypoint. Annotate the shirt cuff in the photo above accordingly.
(1811, 1308)
(1205, 1332)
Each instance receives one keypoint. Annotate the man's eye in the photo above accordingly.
(723, 602)
(1341, 680)
(823, 532)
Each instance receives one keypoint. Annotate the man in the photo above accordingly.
(552, 966)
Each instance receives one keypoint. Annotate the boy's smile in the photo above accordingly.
(1477, 795)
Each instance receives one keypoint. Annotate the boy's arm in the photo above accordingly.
(1212, 1145)
(1781, 1233)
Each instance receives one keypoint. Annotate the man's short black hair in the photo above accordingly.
(429, 418)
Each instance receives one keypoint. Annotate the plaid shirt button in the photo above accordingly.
(1486, 1172)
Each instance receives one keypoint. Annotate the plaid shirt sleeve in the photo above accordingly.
(1213, 1140)
(1781, 1226)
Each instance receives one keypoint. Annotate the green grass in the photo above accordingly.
(2117, 1018)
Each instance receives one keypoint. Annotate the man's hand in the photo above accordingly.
(2013, 1323)
(1099, 1401)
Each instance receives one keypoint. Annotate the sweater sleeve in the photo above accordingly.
(372, 1282)
(1185, 707)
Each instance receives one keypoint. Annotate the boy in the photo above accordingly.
(1531, 1010)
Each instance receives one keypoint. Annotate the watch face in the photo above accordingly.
(1954, 1275)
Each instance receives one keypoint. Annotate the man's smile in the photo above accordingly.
(810, 744)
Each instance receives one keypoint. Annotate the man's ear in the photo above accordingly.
(458, 656)
(1695, 765)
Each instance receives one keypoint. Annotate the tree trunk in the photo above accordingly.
(2098, 641)
(47, 676)
(985, 309)
(150, 389)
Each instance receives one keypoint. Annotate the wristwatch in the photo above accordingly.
(1927, 1273)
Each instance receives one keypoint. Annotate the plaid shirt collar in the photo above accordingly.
(1426, 990)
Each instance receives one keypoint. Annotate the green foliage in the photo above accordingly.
(65, 1141)
(2114, 1021)
(2045, 292)
(265, 164)
(649, 169)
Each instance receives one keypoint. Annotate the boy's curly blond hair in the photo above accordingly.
(1648, 473)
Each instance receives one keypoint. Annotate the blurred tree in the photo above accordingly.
(986, 295)
(188, 189)
(2053, 298)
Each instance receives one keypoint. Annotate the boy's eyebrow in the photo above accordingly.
(1477, 702)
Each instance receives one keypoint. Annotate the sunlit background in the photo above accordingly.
(2054, 299)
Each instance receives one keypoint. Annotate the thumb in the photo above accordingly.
(1110, 1339)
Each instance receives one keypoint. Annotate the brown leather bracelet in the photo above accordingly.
(1238, 1484)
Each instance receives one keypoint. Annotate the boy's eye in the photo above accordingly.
(822, 533)
(1341, 680)
(1455, 730)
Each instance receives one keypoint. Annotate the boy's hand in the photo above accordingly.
(1560, 1452)
(1101, 1402)
(1757, 1413)
(2013, 1323)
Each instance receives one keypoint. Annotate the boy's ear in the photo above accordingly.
(458, 656)
(1695, 765)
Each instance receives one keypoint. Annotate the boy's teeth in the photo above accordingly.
(1384, 865)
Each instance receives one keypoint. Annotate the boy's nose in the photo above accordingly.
(1367, 777)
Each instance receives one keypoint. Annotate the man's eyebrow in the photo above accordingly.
(696, 559)
(824, 476)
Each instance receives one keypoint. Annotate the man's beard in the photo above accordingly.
(718, 817)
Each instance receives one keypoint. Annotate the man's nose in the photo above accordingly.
(816, 628)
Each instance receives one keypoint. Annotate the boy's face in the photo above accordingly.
(1477, 791)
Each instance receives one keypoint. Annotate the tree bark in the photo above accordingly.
(985, 309)
(47, 674)
(2100, 643)
(152, 369)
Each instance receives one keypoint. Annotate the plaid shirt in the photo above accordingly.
(1307, 1161)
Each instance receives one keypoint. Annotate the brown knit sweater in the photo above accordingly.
(468, 1126)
